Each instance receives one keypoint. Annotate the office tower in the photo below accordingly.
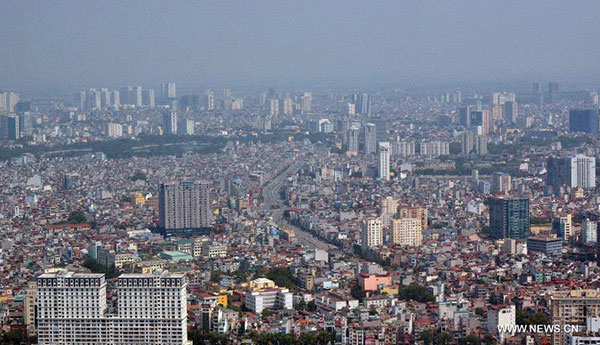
(116, 99)
(184, 207)
(25, 123)
(93, 99)
(273, 107)
(466, 142)
(589, 231)
(580, 171)
(511, 111)
(363, 104)
(555, 176)
(509, 218)
(370, 131)
(11, 101)
(307, 102)
(464, 116)
(170, 122)
(70, 181)
(552, 92)
(501, 183)
(186, 127)
(481, 118)
(583, 120)
(148, 98)
(171, 90)
(287, 106)
(562, 227)
(22, 107)
(105, 98)
(407, 232)
(371, 233)
(10, 127)
(353, 134)
(73, 309)
(209, 100)
(384, 161)
(538, 97)
(481, 142)
(135, 96)
(79, 99)
(572, 308)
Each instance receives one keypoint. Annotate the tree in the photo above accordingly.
(471, 339)
(357, 292)
(415, 292)
(443, 338)
(427, 337)
(283, 277)
(139, 176)
(76, 217)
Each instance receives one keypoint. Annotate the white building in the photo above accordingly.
(384, 161)
(499, 317)
(580, 171)
(72, 309)
(372, 233)
(273, 298)
(589, 231)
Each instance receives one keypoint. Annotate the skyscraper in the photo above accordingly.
(353, 133)
(580, 171)
(307, 102)
(148, 98)
(273, 107)
(384, 161)
(73, 309)
(363, 105)
(184, 207)
(466, 142)
(552, 92)
(509, 218)
(481, 145)
(79, 99)
(501, 183)
(371, 233)
(170, 122)
(10, 127)
(464, 116)
(93, 100)
(511, 111)
(370, 131)
(562, 226)
(583, 120)
(538, 97)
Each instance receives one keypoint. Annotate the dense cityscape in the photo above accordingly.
(299, 172)
(383, 217)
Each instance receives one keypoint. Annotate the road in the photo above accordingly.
(271, 196)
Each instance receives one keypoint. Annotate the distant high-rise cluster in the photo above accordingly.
(571, 171)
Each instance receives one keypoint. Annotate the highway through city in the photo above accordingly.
(271, 197)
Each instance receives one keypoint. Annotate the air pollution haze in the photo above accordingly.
(65, 45)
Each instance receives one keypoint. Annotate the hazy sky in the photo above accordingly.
(67, 45)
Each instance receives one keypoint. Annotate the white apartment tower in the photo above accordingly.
(384, 161)
(72, 309)
(581, 171)
(372, 232)
(184, 205)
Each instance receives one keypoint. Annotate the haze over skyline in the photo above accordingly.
(67, 45)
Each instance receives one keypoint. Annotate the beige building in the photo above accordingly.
(31, 301)
(418, 212)
(372, 232)
(573, 308)
(407, 232)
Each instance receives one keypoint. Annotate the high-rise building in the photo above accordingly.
(10, 127)
(389, 205)
(370, 131)
(466, 142)
(509, 218)
(350, 108)
(70, 181)
(209, 100)
(511, 111)
(287, 106)
(148, 98)
(592, 97)
(416, 212)
(116, 99)
(464, 116)
(572, 171)
(481, 145)
(589, 231)
(583, 120)
(383, 161)
(25, 123)
(501, 183)
(186, 127)
(353, 134)
(572, 308)
(30, 308)
(79, 99)
(93, 100)
(371, 232)
(481, 118)
(552, 92)
(11, 101)
(562, 226)
(170, 122)
(171, 90)
(73, 309)
(307, 102)
(538, 97)
(407, 232)
(184, 207)
(273, 107)
(114, 130)
(363, 104)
